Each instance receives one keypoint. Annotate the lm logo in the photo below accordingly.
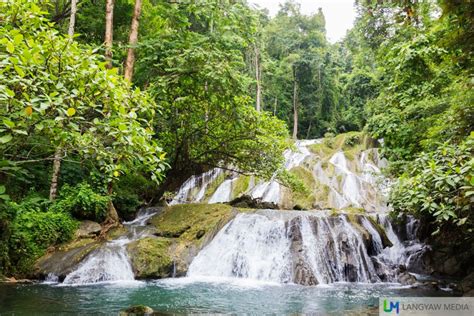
(388, 306)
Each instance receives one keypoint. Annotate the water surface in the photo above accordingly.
(187, 295)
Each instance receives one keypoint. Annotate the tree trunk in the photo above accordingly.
(72, 19)
(112, 216)
(258, 78)
(53, 189)
(132, 41)
(295, 106)
(109, 25)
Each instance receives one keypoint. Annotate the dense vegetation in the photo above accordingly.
(92, 131)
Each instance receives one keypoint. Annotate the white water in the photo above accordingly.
(349, 183)
(110, 262)
(302, 247)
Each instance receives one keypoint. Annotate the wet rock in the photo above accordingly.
(302, 273)
(246, 201)
(137, 310)
(88, 229)
(406, 278)
(150, 258)
(63, 261)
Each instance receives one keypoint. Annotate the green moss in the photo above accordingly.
(354, 210)
(385, 241)
(240, 186)
(150, 257)
(304, 200)
(212, 187)
(184, 221)
(117, 232)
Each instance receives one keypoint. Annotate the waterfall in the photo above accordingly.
(355, 182)
(110, 262)
(303, 247)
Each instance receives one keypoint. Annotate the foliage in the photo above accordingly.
(82, 202)
(59, 94)
(440, 185)
(195, 68)
(32, 230)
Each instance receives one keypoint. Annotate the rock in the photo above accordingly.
(150, 258)
(65, 259)
(137, 310)
(406, 278)
(13, 280)
(298, 207)
(200, 233)
(302, 273)
(246, 201)
(467, 284)
(88, 229)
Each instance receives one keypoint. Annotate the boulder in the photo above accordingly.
(137, 310)
(406, 278)
(63, 261)
(467, 284)
(246, 201)
(88, 229)
(150, 258)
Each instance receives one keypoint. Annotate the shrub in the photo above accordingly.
(440, 185)
(32, 230)
(82, 202)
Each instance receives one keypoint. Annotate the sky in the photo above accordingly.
(339, 14)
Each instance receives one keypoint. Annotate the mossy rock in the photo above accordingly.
(137, 310)
(383, 235)
(189, 227)
(240, 186)
(185, 220)
(304, 200)
(150, 257)
(65, 258)
(212, 187)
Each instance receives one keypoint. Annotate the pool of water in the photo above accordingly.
(185, 295)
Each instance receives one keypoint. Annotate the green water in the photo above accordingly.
(186, 296)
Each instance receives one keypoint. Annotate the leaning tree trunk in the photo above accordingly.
(258, 75)
(132, 41)
(295, 107)
(109, 25)
(112, 218)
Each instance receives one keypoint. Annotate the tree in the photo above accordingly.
(132, 41)
(109, 25)
(197, 72)
(54, 97)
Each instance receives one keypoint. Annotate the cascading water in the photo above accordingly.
(305, 248)
(110, 262)
(348, 183)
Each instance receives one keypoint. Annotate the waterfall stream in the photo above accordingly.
(110, 262)
(306, 248)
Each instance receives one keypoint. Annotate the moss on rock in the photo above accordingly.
(150, 257)
(304, 200)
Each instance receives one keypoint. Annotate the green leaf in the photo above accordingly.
(8, 123)
(5, 139)
(2, 189)
(10, 47)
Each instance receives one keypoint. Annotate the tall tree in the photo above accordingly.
(132, 41)
(109, 26)
(53, 190)
(295, 104)
(258, 74)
